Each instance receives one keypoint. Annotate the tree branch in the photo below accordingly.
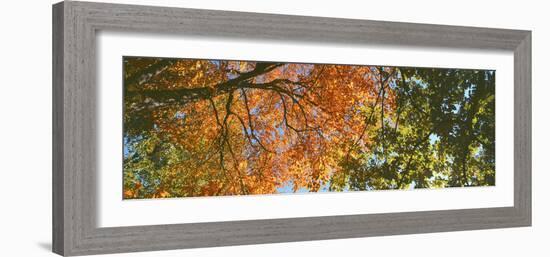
(141, 77)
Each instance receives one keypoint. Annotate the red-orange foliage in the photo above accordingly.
(250, 128)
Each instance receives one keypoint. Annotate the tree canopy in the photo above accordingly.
(214, 127)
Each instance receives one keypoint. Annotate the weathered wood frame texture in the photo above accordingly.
(74, 126)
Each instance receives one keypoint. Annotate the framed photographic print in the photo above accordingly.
(182, 128)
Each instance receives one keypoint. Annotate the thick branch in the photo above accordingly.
(183, 95)
(139, 78)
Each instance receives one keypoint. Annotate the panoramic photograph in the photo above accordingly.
(206, 127)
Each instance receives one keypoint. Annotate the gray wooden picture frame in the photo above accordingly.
(75, 25)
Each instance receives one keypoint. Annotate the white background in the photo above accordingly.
(116, 212)
(25, 128)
